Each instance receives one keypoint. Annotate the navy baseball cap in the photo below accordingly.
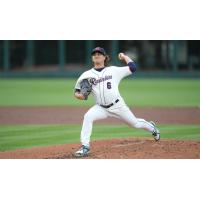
(99, 50)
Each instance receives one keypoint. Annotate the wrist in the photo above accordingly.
(127, 59)
(79, 95)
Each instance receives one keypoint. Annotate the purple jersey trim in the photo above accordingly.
(132, 66)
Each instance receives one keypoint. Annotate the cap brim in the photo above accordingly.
(98, 52)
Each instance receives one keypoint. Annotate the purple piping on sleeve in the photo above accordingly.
(132, 66)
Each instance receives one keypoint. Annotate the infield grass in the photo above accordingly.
(136, 92)
(27, 136)
(59, 92)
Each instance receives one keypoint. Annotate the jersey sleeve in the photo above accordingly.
(122, 72)
(77, 85)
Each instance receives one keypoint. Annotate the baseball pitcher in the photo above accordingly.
(102, 82)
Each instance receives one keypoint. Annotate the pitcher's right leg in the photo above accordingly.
(128, 117)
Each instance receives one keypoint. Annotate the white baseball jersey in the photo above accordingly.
(105, 91)
(105, 83)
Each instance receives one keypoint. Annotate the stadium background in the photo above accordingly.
(37, 106)
(68, 58)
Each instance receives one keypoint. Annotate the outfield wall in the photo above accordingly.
(68, 58)
(75, 74)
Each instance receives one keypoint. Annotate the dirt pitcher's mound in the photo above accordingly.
(115, 149)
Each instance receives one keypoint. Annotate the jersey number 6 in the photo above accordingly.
(109, 85)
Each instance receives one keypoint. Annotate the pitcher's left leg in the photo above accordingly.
(93, 114)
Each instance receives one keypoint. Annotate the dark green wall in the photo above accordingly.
(74, 55)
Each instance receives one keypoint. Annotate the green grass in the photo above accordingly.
(59, 92)
(27, 136)
(161, 93)
(136, 92)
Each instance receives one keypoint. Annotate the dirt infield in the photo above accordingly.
(74, 115)
(116, 148)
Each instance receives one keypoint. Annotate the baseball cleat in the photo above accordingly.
(156, 132)
(82, 152)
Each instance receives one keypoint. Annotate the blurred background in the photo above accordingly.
(69, 58)
(37, 79)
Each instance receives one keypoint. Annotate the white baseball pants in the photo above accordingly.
(123, 113)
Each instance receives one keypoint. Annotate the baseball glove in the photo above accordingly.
(86, 88)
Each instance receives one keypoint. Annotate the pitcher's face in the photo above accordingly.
(98, 58)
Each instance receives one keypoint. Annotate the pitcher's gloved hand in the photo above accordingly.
(86, 88)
